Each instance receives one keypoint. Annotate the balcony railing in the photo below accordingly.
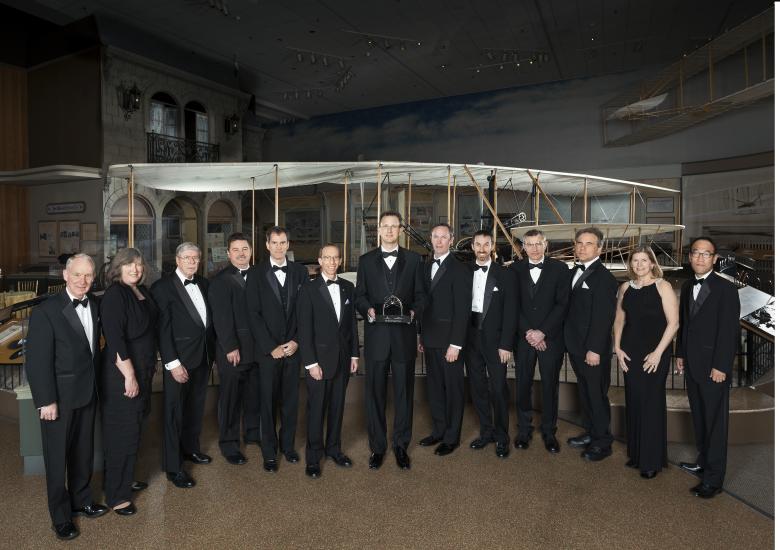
(160, 148)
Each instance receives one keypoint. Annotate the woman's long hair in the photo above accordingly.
(123, 257)
(643, 248)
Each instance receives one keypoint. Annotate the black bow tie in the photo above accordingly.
(394, 253)
(283, 268)
(535, 266)
(482, 267)
(189, 282)
(579, 266)
(437, 262)
(243, 272)
(77, 302)
(331, 282)
(699, 281)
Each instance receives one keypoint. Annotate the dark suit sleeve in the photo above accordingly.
(161, 295)
(222, 309)
(727, 329)
(461, 307)
(361, 290)
(113, 316)
(305, 313)
(420, 295)
(553, 322)
(355, 342)
(602, 313)
(523, 325)
(39, 358)
(264, 344)
(510, 309)
(680, 344)
(301, 280)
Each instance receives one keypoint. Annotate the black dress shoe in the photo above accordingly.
(291, 457)
(648, 474)
(502, 450)
(138, 486)
(313, 470)
(181, 480)
(270, 465)
(480, 443)
(401, 458)
(198, 458)
(341, 460)
(632, 463)
(429, 441)
(375, 461)
(444, 449)
(65, 531)
(594, 453)
(691, 467)
(582, 440)
(707, 491)
(696, 488)
(90, 511)
(127, 510)
(236, 458)
(551, 444)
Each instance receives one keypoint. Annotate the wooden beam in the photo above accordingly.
(254, 253)
(495, 216)
(276, 195)
(346, 216)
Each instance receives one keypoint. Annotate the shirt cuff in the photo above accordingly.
(307, 367)
(355, 358)
(456, 347)
(173, 364)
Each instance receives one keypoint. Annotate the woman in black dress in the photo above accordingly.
(129, 317)
(645, 324)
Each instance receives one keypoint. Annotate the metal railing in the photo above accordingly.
(160, 148)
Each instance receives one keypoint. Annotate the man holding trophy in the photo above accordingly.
(389, 295)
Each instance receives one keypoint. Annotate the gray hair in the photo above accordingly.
(534, 233)
(80, 256)
(185, 246)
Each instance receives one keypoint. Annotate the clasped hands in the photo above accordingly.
(285, 350)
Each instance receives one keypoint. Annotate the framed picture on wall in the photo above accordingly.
(89, 239)
(660, 205)
(47, 239)
(69, 237)
(662, 220)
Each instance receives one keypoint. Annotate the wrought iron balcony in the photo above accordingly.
(160, 148)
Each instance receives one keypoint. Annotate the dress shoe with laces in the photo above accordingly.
(138, 486)
(582, 440)
(648, 474)
(480, 442)
(342, 460)
(691, 467)
(198, 458)
(65, 531)
(236, 458)
(444, 449)
(522, 442)
(551, 444)
(182, 480)
(128, 510)
(595, 453)
(401, 458)
(291, 457)
(429, 441)
(704, 490)
(502, 450)
(90, 511)
(375, 461)
(313, 471)
(270, 465)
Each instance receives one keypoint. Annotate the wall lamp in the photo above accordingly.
(131, 100)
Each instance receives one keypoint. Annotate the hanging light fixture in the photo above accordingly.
(131, 100)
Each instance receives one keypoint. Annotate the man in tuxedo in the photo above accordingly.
(187, 352)
(239, 389)
(543, 298)
(272, 294)
(443, 334)
(62, 355)
(327, 332)
(389, 270)
(706, 346)
(587, 332)
(491, 334)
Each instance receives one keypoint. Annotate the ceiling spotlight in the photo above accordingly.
(285, 96)
(308, 94)
(530, 62)
(324, 61)
(368, 53)
(419, 43)
(320, 93)
(370, 43)
(341, 63)
(387, 44)
(490, 55)
(477, 70)
(299, 56)
(313, 59)
(500, 67)
(515, 57)
(505, 57)
(296, 94)
(518, 64)
(402, 46)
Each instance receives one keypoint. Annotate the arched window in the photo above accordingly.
(179, 224)
(164, 115)
(221, 218)
(196, 122)
(143, 223)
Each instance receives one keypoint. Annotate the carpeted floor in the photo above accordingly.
(470, 499)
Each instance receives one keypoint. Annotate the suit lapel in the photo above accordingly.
(381, 266)
(490, 284)
(704, 293)
(186, 300)
(73, 319)
(585, 274)
(95, 325)
(288, 287)
(343, 294)
(238, 279)
(439, 272)
(273, 282)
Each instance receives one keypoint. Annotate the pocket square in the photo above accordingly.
(495, 289)
(346, 302)
(585, 286)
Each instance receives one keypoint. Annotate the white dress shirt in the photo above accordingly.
(390, 260)
(200, 304)
(535, 273)
(580, 271)
(335, 297)
(478, 288)
(280, 275)
(435, 266)
(697, 288)
(85, 316)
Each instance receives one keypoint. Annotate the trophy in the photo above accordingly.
(393, 312)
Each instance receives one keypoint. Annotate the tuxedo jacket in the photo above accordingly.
(499, 312)
(709, 327)
(272, 325)
(448, 305)
(182, 333)
(592, 302)
(322, 337)
(371, 291)
(227, 297)
(542, 306)
(60, 365)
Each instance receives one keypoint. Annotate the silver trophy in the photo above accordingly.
(393, 312)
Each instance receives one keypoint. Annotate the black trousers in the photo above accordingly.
(376, 403)
(489, 389)
(183, 415)
(68, 459)
(278, 383)
(446, 389)
(710, 413)
(550, 362)
(326, 397)
(239, 392)
(592, 386)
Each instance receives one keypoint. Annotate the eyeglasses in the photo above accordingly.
(704, 255)
(533, 245)
(389, 226)
(331, 259)
(190, 259)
